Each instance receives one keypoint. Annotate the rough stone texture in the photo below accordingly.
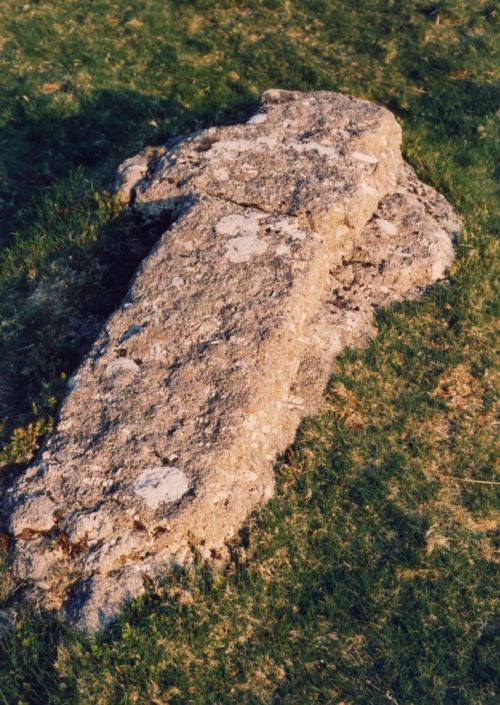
(288, 231)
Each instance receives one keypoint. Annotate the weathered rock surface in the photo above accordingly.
(288, 231)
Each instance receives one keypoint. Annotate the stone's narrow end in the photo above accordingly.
(289, 230)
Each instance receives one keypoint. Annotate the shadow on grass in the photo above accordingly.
(75, 252)
(349, 580)
(68, 255)
(71, 264)
(28, 652)
(42, 145)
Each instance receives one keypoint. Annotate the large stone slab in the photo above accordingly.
(288, 231)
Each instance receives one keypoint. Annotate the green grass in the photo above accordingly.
(371, 577)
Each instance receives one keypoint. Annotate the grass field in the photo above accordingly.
(371, 578)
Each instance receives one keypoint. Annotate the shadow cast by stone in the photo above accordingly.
(80, 259)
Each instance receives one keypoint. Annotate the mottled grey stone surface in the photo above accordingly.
(288, 231)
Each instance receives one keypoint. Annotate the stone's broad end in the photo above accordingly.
(287, 232)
